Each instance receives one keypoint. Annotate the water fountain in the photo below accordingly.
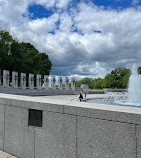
(134, 89)
(132, 98)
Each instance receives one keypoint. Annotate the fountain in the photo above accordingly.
(132, 98)
(134, 90)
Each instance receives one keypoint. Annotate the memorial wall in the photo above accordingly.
(33, 84)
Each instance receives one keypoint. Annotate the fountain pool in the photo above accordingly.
(132, 98)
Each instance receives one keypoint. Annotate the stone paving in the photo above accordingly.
(6, 155)
(74, 97)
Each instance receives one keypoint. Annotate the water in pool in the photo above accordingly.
(101, 101)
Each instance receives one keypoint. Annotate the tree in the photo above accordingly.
(98, 83)
(78, 83)
(44, 64)
(118, 78)
(22, 57)
(139, 70)
(5, 44)
(88, 81)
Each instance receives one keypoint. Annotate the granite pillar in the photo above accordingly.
(73, 83)
(46, 82)
(38, 82)
(67, 83)
(60, 81)
(15, 79)
(0, 76)
(23, 80)
(53, 81)
(31, 81)
(6, 78)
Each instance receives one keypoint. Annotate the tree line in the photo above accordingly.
(118, 78)
(22, 57)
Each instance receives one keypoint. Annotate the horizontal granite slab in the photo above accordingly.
(93, 110)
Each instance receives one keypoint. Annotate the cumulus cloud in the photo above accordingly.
(65, 22)
(86, 41)
(54, 3)
(62, 3)
(135, 2)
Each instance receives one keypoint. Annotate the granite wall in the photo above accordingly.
(68, 131)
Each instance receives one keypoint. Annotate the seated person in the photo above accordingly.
(81, 96)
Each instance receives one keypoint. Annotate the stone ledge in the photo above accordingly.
(99, 111)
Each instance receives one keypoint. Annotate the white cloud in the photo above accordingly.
(46, 3)
(43, 25)
(66, 22)
(83, 52)
(11, 12)
(135, 2)
(62, 3)
(54, 3)
(95, 68)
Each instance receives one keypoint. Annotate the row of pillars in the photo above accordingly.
(23, 80)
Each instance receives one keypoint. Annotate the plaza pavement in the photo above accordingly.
(74, 97)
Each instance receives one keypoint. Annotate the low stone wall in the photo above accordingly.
(68, 129)
(96, 91)
(106, 90)
(36, 92)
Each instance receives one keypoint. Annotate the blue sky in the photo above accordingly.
(83, 38)
(39, 11)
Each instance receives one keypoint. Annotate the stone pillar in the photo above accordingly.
(6, 78)
(46, 82)
(15, 79)
(38, 82)
(23, 80)
(67, 83)
(53, 81)
(73, 83)
(60, 81)
(31, 81)
(0, 75)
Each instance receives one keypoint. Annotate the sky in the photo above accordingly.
(83, 38)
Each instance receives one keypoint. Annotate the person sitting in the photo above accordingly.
(81, 96)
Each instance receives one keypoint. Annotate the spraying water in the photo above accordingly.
(134, 90)
(133, 97)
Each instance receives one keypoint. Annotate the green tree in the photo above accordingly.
(118, 78)
(5, 44)
(44, 64)
(98, 83)
(78, 83)
(88, 81)
(139, 70)
(22, 57)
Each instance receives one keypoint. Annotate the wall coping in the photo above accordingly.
(123, 114)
